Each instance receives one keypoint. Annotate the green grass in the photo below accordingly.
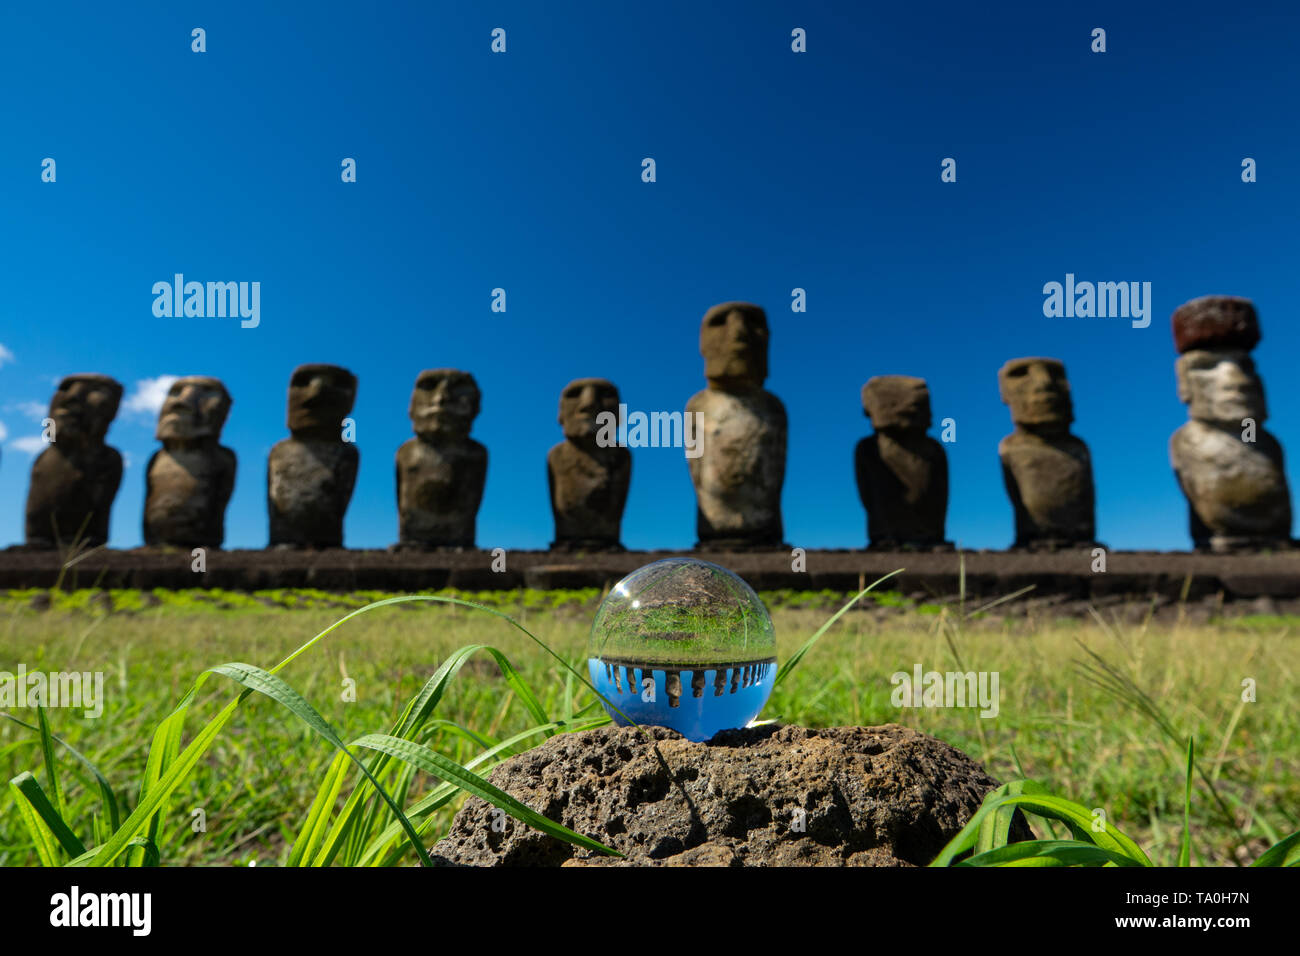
(257, 784)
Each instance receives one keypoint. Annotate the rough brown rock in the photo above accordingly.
(1047, 470)
(441, 471)
(902, 473)
(310, 476)
(75, 479)
(189, 481)
(739, 474)
(1216, 322)
(588, 479)
(871, 796)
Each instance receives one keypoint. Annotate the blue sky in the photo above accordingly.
(522, 171)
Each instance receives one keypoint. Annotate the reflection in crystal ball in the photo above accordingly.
(683, 644)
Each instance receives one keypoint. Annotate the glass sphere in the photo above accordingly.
(683, 644)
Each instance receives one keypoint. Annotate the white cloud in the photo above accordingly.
(4, 432)
(33, 410)
(6, 355)
(32, 446)
(149, 395)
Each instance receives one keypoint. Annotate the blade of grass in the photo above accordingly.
(32, 798)
(313, 828)
(1069, 812)
(162, 752)
(1125, 688)
(1286, 853)
(1185, 851)
(452, 772)
(967, 836)
(187, 759)
(444, 793)
(798, 655)
(996, 828)
(350, 826)
(1049, 853)
(106, 792)
(47, 755)
(264, 682)
(1045, 805)
(175, 773)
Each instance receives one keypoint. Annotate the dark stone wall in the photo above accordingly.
(988, 574)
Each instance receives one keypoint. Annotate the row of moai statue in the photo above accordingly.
(1229, 468)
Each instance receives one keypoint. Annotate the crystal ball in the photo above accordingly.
(684, 644)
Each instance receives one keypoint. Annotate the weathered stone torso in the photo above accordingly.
(738, 477)
(71, 488)
(588, 492)
(187, 490)
(1050, 485)
(1234, 489)
(309, 485)
(903, 484)
(439, 488)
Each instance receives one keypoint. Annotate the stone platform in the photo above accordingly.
(988, 574)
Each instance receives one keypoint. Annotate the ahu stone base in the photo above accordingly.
(983, 576)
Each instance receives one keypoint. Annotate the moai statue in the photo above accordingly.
(1047, 470)
(441, 472)
(738, 465)
(189, 481)
(310, 475)
(588, 479)
(1229, 468)
(75, 479)
(902, 472)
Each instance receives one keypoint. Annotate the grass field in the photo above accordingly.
(252, 789)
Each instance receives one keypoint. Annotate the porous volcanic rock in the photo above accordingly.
(1216, 322)
(870, 796)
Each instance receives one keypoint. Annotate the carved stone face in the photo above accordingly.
(581, 401)
(1038, 393)
(733, 341)
(320, 397)
(1221, 386)
(195, 408)
(83, 408)
(444, 403)
(897, 402)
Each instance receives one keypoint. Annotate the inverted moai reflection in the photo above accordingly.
(189, 480)
(739, 474)
(1229, 468)
(75, 479)
(588, 483)
(727, 678)
(1047, 470)
(441, 471)
(902, 472)
(310, 476)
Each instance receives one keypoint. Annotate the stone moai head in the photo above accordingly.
(83, 407)
(733, 340)
(581, 401)
(195, 410)
(320, 397)
(1038, 394)
(1216, 375)
(444, 404)
(897, 403)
